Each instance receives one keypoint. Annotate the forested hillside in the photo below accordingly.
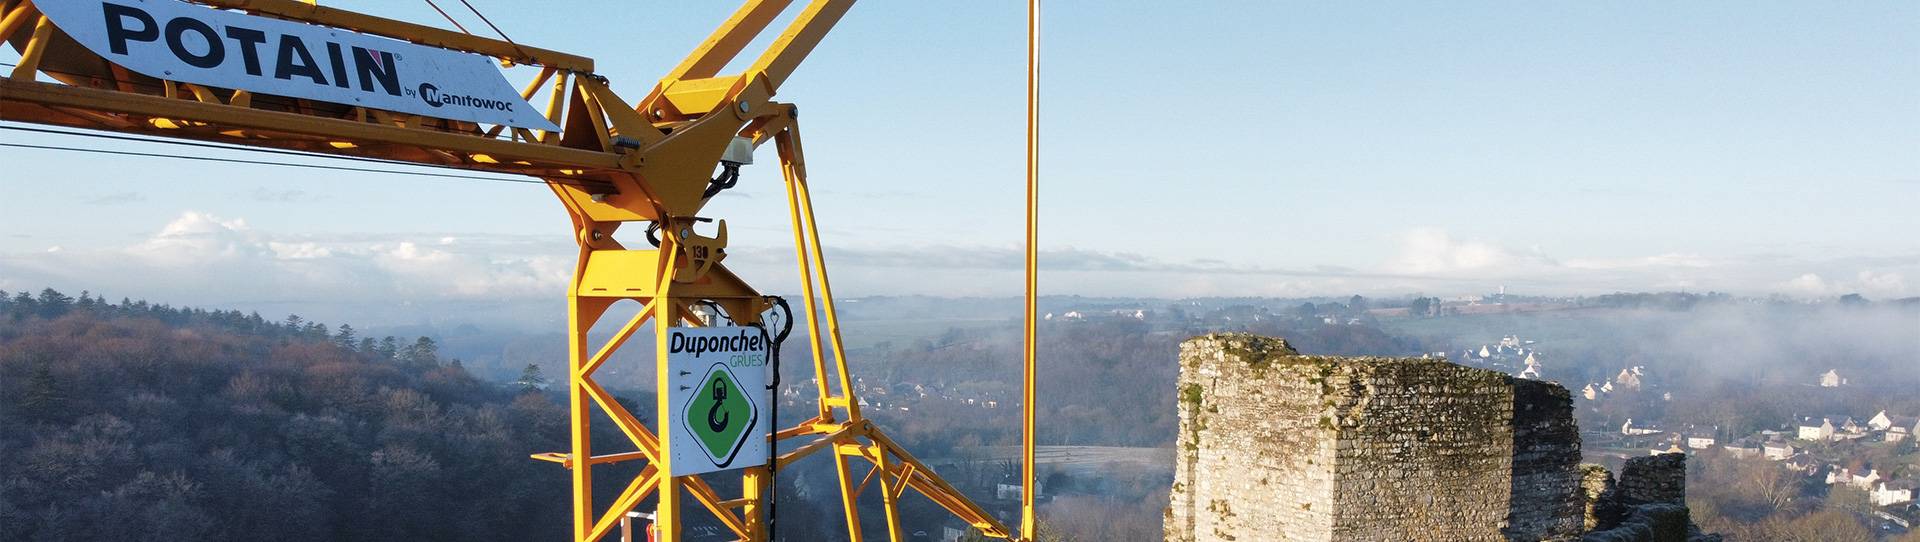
(130, 421)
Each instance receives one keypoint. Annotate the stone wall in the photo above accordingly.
(1654, 479)
(1408, 428)
(1277, 446)
(1547, 493)
(1283, 447)
(1258, 466)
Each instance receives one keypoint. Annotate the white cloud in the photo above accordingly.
(1807, 284)
(203, 259)
(1866, 282)
(1433, 251)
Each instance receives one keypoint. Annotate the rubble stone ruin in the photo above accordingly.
(1277, 446)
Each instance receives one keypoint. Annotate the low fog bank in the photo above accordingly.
(1868, 345)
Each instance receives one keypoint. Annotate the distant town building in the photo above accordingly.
(1700, 440)
(1632, 430)
(1629, 378)
(1742, 449)
(1834, 427)
(1832, 379)
(1888, 494)
(1776, 451)
(1815, 429)
(1897, 428)
(1853, 477)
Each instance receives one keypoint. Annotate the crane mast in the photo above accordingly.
(613, 164)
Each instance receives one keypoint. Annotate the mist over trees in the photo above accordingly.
(132, 421)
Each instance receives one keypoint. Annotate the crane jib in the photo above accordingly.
(177, 41)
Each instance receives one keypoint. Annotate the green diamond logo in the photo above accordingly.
(720, 414)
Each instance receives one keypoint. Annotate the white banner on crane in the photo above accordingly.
(177, 41)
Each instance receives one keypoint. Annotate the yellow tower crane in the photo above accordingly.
(610, 162)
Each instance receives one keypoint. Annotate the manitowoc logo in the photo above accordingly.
(432, 95)
(189, 43)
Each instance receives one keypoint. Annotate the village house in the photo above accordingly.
(1630, 429)
(1853, 477)
(1803, 464)
(1742, 449)
(1629, 378)
(1888, 494)
(1776, 451)
(1812, 428)
(1895, 428)
(1832, 379)
(1532, 371)
(1833, 427)
(1699, 439)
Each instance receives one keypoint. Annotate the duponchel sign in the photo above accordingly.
(719, 399)
(190, 43)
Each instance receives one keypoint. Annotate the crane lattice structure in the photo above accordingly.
(612, 163)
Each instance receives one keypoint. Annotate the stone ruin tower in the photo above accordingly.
(1277, 446)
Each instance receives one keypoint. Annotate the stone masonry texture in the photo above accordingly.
(1278, 446)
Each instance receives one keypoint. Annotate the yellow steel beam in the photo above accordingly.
(619, 338)
(929, 484)
(1030, 344)
(788, 142)
(30, 57)
(637, 489)
(888, 498)
(728, 40)
(799, 39)
(580, 316)
(15, 94)
(667, 511)
(16, 18)
(819, 258)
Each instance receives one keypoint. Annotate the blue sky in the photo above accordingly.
(1224, 148)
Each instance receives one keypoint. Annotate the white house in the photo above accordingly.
(1630, 429)
(1865, 482)
(1700, 440)
(1629, 379)
(1812, 428)
(1888, 494)
(1897, 428)
(1776, 451)
(1834, 427)
(1880, 422)
(1831, 379)
(1532, 372)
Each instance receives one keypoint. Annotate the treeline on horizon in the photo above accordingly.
(135, 421)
